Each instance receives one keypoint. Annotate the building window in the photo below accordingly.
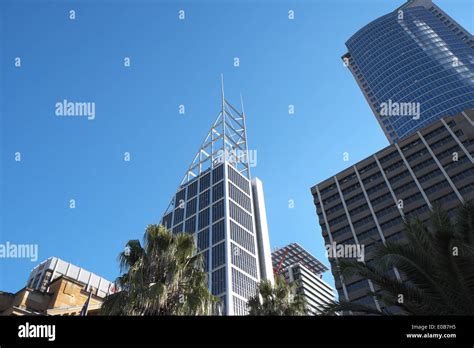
(205, 182)
(180, 196)
(243, 260)
(218, 232)
(240, 198)
(178, 229)
(243, 285)
(167, 220)
(191, 207)
(218, 281)
(218, 255)
(240, 307)
(204, 219)
(217, 174)
(218, 210)
(178, 215)
(203, 239)
(192, 189)
(239, 180)
(242, 237)
(204, 199)
(218, 191)
(190, 225)
(240, 216)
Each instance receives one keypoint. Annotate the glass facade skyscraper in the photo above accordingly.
(414, 66)
(224, 208)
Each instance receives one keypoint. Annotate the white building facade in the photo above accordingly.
(220, 204)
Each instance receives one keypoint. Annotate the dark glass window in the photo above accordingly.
(239, 180)
(218, 191)
(203, 239)
(218, 232)
(217, 173)
(190, 225)
(204, 218)
(167, 220)
(218, 281)
(192, 189)
(218, 210)
(191, 207)
(218, 255)
(205, 182)
(178, 215)
(180, 197)
(178, 229)
(204, 199)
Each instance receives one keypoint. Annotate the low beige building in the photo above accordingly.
(64, 296)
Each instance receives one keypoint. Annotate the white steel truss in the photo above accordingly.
(225, 142)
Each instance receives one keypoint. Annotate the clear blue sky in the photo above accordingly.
(173, 62)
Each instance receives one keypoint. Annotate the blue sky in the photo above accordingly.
(173, 62)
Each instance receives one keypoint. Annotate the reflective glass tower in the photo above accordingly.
(414, 66)
(224, 208)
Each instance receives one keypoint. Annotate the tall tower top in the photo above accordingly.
(225, 142)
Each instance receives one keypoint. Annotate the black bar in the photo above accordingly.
(290, 331)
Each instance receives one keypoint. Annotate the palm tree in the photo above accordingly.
(437, 260)
(278, 299)
(162, 277)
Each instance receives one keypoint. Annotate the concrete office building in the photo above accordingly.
(368, 202)
(303, 270)
(414, 66)
(224, 208)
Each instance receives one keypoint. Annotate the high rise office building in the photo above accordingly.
(368, 203)
(303, 270)
(414, 66)
(224, 208)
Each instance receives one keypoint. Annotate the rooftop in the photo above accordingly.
(294, 253)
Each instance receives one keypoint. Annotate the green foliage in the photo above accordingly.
(162, 277)
(277, 299)
(437, 260)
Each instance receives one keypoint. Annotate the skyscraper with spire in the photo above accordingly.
(219, 202)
